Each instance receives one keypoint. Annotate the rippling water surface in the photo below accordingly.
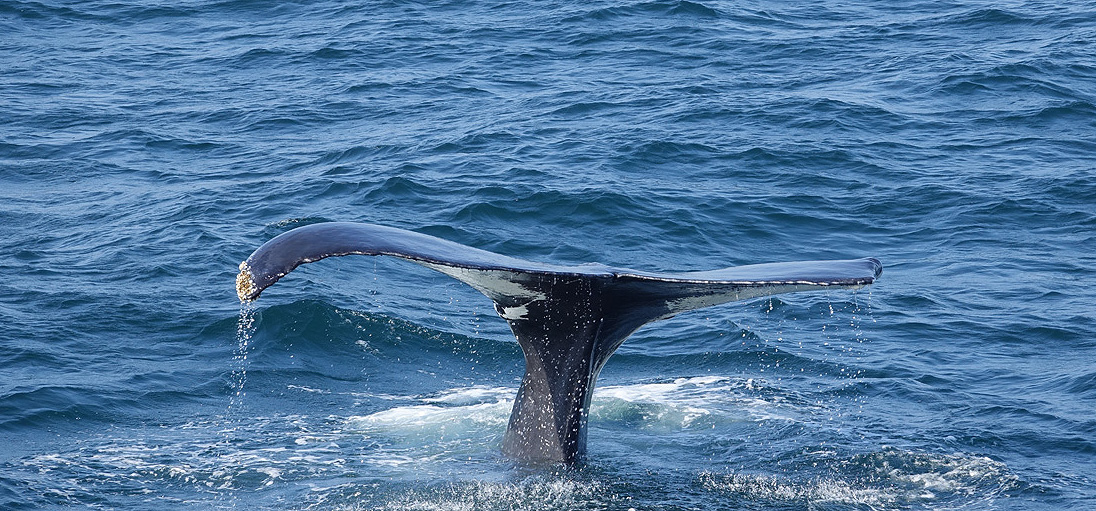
(148, 147)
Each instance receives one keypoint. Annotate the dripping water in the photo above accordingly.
(245, 330)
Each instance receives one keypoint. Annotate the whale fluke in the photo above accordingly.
(568, 320)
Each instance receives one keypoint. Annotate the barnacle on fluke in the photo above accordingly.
(245, 285)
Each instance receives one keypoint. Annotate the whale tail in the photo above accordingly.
(568, 320)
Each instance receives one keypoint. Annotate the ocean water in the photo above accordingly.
(146, 148)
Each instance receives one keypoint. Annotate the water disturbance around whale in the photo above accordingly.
(568, 320)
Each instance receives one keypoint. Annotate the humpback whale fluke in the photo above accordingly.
(567, 319)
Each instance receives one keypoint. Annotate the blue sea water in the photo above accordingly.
(146, 148)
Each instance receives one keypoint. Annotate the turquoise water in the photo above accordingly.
(147, 148)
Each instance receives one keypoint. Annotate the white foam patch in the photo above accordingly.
(812, 493)
(532, 494)
(473, 395)
(208, 467)
(434, 417)
(469, 422)
(469, 406)
(481, 412)
(932, 474)
(687, 402)
(465, 422)
(878, 480)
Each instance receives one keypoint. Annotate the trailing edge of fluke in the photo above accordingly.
(567, 319)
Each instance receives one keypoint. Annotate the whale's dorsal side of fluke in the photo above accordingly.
(568, 320)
